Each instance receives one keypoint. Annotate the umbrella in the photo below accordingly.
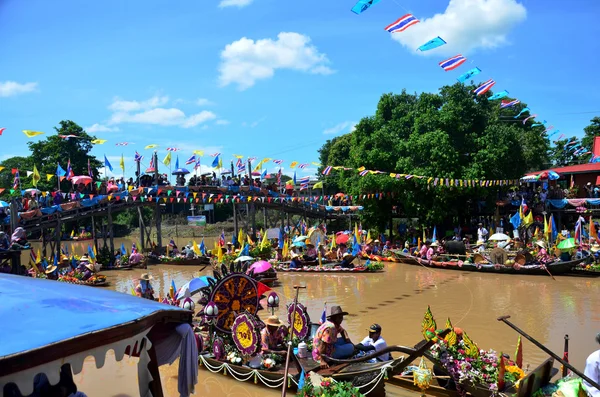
(299, 239)
(244, 259)
(32, 191)
(499, 237)
(194, 285)
(341, 238)
(317, 236)
(180, 171)
(4, 204)
(255, 173)
(299, 244)
(150, 169)
(76, 180)
(260, 267)
(566, 244)
(339, 195)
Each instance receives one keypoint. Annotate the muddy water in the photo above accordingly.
(397, 299)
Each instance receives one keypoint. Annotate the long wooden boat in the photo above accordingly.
(555, 268)
(333, 268)
(200, 261)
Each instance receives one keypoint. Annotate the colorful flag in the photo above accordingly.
(485, 87)
(498, 95)
(431, 44)
(122, 163)
(31, 134)
(303, 166)
(327, 170)
(453, 63)
(191, 160)
(402, 24)
(137, 157)
(172, 149)
(35, 177)
(151, 146)
(324, 314)
(167, 160)
(466, 76)
(507, 104)
(278, 162)
(98, 141)
(215, 162)
(106, 163)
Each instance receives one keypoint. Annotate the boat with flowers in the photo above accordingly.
(231, 340)
(98, 280)
(368, 267)
(179, 260)
(461, 368)
(39, 358)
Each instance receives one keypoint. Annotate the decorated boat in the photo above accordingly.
(368, 267)
(231, 342)
(585, 270)
(554, 268)
(179, 261)
(36, 355)
(97, 280)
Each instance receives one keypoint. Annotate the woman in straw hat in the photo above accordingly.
(144, 289)
(542, 254)
(272, 337)
(89, 271)
(52, 272)
(326, 341)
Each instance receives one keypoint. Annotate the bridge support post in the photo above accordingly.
(253, 219)
(142, 228)
(265, 218)
(44, 242)
(158, 220)
(235, 222)
(94, 235)
(110, 230)
(57, 236)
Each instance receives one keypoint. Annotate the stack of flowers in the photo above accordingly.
(329, 388)
(233, 358)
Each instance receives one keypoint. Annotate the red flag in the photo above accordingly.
(262, 288)
(501, 371)
(519, 353)
(2, 130)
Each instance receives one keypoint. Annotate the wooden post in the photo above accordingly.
(253, 218)
(265, 218)
(110, 230)
(235, 221)
(44, 242)
(57, 236)
(142, 229)
(158, 220)
(94, 236)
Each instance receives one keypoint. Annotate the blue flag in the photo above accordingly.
(466, 76)
(324, 314)
(59, 171)
(554, 230)
(91, 252)
(177, 162)
(56, 260)
(107, 163)
(202, 247)
(264, 174)
(294, 178)
(280, 238)
(499, 95)
(431, 44)
(234, 240)
(246, 250)
(123, 250)
(434, 237)
(73, 262)
(515, 220)
(215, 162)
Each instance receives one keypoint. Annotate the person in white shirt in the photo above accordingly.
(482, 232)
(374, 343)
(592, 371)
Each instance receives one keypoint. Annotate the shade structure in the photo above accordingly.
(341, 238)
(244, 258)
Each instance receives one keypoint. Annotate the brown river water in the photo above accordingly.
(396, 299)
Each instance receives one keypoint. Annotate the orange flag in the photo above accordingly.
(501, 371)
(593, 232)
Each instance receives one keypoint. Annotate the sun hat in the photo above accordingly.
(146, 276)
(273, 321)
(336, 311)
(51, 269)
(91, 267)
(541, 243)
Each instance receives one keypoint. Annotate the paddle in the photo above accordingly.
(548, 271)
(504, 319)
(289, 350)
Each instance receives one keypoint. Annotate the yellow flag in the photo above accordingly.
(361, 169)
(265, 241)
(167, 160)
(99, 141)
(72, 233)
(132, 291)
(31, 134)
(356, 232)
(333, 244)
(220, 163)
(238, 156)
(1, 168)
(199, 152)
(250, 240)
(35, 178)
(285, 250)
(294, 164)
(196, 249)
(151, 146)
(318, 185)
(219, 254)
(315, 163)
(240, 238)
(39, 257)
(122, 163)
(368, 236)
(49, 176)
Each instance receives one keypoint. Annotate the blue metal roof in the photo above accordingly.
(37, 312)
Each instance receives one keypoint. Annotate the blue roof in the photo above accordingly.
(37, 312)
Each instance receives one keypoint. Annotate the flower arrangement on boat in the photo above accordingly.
(329, 388)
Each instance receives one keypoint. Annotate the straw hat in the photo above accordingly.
(294, 255)
(84, 257)
(595, 247)
(541, 243)
(273, 321)
(146, 277)
(480, 242)
(229, 243)
(435, 244)
(90, 267)
(51, 269)
(369, 241)
(376, 241)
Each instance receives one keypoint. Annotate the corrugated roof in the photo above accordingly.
(573, 169)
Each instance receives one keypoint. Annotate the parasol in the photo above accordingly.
(32, 191)
(499, 237)
(299, 239)
(341, 238)
(244, 258)
(300, 244)
(180, 171)
(194, 285)
(566, 244)
(260, 267)
(86, 180)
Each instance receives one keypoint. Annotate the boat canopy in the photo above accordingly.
(47, 324)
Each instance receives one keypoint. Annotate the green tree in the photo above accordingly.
(562, 155)
(7, 177)
(590, 132)
(47, 154)
(443, 135)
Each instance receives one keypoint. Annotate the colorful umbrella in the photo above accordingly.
(341, 238)
(260, 267)
(194, 285)
(76, 180)
(566, 244)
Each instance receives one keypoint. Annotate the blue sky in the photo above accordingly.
(273, 78)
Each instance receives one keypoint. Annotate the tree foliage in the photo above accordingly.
(449, 134)
(563, 155)
(48, 153)
(590, 132)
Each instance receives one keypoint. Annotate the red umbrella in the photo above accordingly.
(341, 238)
(81, 179)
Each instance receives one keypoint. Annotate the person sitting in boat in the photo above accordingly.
(83, 262)
(374, 343)
(173, 247)
(326, 341)
(279, 254)
(406, 249)
(368, 248)
(424, 249)
(386, 248)
(4, 243)
(188, 252)
(52, 272)
(480, 244)
(542, 255)
(505, 245)
(271, 337)
(144, 289)
(431, 250)
(311, 252)
(595, 251)
(346, 262)
(18, 239)
(592, 371)
(376, 248)
(230, 248)
(322, 251)
(135, 258)
(295, 263)
(88, 272)
(341, 251)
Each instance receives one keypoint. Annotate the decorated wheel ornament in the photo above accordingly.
(233, 292)
(245, 333)
(300, 324)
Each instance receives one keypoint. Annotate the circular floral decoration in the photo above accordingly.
(234, 294)
(301, 320)
(246, 334)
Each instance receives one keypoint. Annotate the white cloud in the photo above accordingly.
(100, 128)
(245, 61)
(11, 88)
(346, 126)
(199, 118)
(466, 25)
(120, 105)
(204, 102)
(222, 122)
(234, 3)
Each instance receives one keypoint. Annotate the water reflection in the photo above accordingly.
(545, 308)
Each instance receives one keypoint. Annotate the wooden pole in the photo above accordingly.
(236, 227)
(111, 233)
(94, 236)
(142, 229)
(57, 237)
(290, 336)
